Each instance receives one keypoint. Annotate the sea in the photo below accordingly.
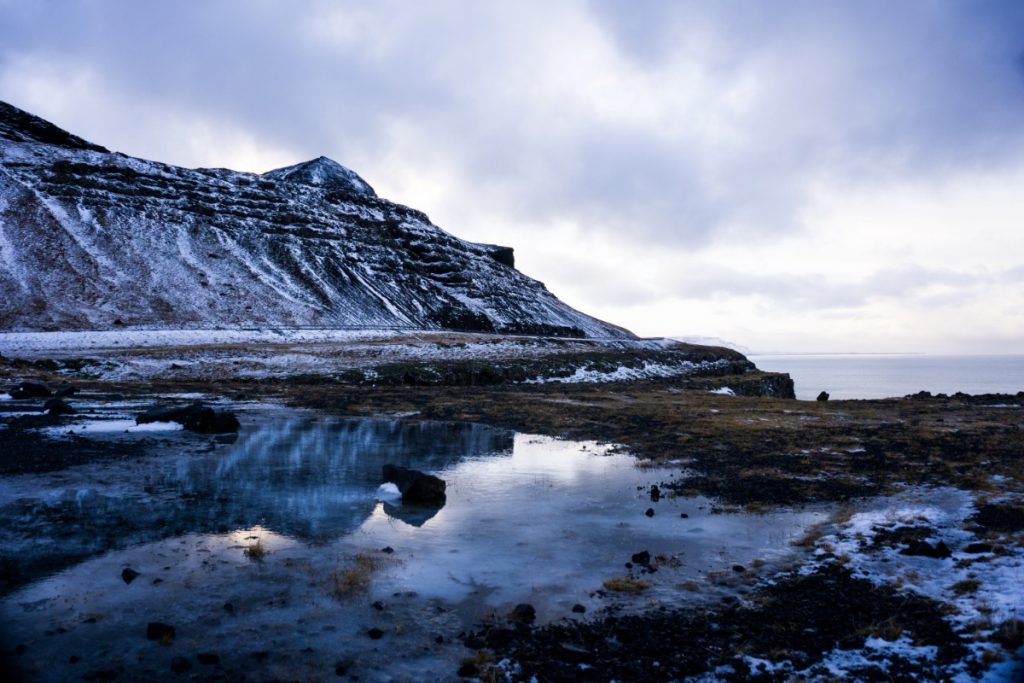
(853, 376)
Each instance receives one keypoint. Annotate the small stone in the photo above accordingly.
(439, 639)
(523, 613)
(180, 665)
(939, 551)
(823, 396)
(128, 574)
(643, 557)
(655, 493)
(159, 631)
(578, 608)
(379, 606)
(229, 608)
(739, 568)
(979, 547)
(387, 549)
(649, 512)
(683, 515)
(375, 633)
(342, 666)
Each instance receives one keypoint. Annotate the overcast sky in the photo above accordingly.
(791, 176)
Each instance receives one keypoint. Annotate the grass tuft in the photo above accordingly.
(626, 584)
(256, 551)
(355, 579)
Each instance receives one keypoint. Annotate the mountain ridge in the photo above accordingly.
(93, 239)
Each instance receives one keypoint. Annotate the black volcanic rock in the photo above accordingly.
(195, 418)
(416, 487)
(29, 390)
(97, 240)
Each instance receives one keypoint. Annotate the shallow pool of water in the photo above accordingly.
(527, 519)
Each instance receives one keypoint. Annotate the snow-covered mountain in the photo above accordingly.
(91, 239)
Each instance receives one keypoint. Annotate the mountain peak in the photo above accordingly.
(324, 173)
(20, 126)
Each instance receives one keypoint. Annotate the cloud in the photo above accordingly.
(670, 131)
(818, 292)
(675, 121)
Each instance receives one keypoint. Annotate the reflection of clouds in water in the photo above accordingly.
(318, 479)
(313, 480)
(554, 520)
(546, 522)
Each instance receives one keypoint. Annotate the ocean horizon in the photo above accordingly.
(868, 376)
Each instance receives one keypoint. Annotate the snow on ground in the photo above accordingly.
(622, 373)
(262, 353)
(30, 343)
(107, 426)
(984, 589)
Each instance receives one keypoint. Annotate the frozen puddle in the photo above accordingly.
(267, 555)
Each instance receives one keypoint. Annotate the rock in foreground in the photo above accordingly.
(195, 418)
(416, 487)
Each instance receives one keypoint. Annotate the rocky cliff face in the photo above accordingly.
(91, 239)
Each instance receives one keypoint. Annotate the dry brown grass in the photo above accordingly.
(626, 584)
(256, 551)
(356, 578)
(966, 586)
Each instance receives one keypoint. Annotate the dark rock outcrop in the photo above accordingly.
(823, 396)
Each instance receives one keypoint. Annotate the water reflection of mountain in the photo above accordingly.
(314, 480)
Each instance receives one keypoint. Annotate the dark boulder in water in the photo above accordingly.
(416, 487)
(30, 390)
(195, 418)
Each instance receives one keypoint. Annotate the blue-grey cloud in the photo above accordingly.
(716, 118)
